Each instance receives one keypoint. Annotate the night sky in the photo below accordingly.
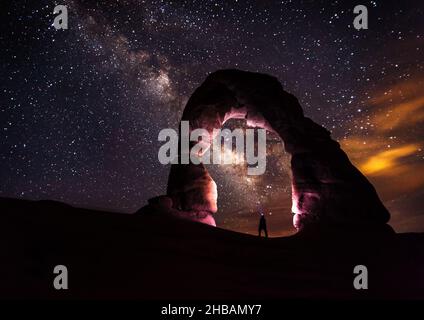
(81, 109)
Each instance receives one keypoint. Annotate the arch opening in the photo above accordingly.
(243, 197)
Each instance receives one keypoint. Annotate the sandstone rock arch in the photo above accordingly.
(326, 187)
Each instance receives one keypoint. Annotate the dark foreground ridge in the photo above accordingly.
(110, 255)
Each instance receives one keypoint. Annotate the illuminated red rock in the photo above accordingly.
(326, 188)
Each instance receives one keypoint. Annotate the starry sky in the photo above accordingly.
(81, 109)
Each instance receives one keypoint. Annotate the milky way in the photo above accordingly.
(81, 109)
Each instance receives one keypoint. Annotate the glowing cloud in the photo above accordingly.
(386, 142)
(400, 115)
(387, 160)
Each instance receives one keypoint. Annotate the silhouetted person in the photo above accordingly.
(262, 225)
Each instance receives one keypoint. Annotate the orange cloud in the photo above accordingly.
(401, 115)
(359, 148)
(389, 151)
(388, 162)
(398, 106)
(398, 92)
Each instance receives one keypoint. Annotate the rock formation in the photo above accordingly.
(326, 188)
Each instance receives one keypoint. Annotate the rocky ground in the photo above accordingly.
(111, 255)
